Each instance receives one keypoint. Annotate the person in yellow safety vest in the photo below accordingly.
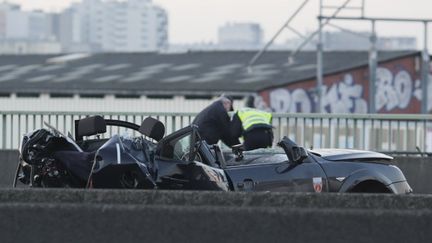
(255, 126)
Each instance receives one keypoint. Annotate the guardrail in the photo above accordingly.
(387, 133)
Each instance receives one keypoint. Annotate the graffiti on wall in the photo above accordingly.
(282, 100)
(429, 100)
(342, 97)
(418, 92)
(393, 91)
(345, 96)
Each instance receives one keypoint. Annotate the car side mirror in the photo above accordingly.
(295, 153)
(299, 154)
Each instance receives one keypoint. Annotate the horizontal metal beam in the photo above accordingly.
(404, 117)
(47, 113)
(347, 7)
(376, 19)
(348, 31)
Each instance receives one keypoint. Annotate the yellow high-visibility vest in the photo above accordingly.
(250, 117)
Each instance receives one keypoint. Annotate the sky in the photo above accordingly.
(192, 21)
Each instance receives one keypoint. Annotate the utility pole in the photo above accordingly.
(373, 55)
(425, 71)
(319, 63)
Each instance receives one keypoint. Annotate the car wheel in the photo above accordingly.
(370, 186)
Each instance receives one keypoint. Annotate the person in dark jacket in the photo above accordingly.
(214, 122)
(254, 125)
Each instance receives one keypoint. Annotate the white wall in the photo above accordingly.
(107, 104)
(30, 47)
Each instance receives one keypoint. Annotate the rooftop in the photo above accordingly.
(171, 73)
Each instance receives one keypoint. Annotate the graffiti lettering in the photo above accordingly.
(418, 92)
(345, 96)
(342, 97)
(280, 100)
(429, 99)
(403, 86)
(392, 93)
(300, 101)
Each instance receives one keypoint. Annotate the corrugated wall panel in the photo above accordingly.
(107, 104)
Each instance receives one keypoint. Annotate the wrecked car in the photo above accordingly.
(183, 161)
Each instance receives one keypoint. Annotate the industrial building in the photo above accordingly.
(187, 82)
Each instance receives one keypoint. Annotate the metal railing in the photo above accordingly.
(387, 133)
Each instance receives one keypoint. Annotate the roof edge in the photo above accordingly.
(344, 69)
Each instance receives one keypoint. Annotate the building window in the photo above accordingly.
(160, 96)
(60, 95)
(28, 95)
(97, 96)
(127, 96)
(198, 97)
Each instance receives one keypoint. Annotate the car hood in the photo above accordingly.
(349, 154)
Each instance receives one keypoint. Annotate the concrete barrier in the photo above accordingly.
(172, 216)
(417, 170)
(225, 199)
(106, 223)
(8, 165)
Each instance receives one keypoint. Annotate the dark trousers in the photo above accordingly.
(258, 138)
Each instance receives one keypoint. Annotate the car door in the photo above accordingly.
(178, 169)
(282, 177)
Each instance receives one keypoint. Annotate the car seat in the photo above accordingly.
(152, 128)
